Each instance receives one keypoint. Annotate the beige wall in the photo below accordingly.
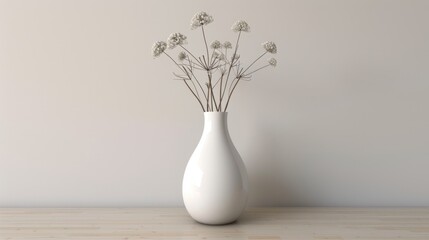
(88, 118)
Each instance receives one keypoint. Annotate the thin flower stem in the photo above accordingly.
(198, 99)
(254, 62)
(194, 95)
(206, 63)
(226, 57)
(205, 41)
(209, 85)
(173, 60)
(208, 92)
(190, 78)
(190, 64)
(212, 59)
(220, 92)
(201, 60)
(209, 75)
(201, 87)
(237, 77)
(195, 87)
(190, 68)
(230, 94)
(230, 66)
(200, 64)
(257, 70)
(213, 96)
(211, 100)
(217, 82)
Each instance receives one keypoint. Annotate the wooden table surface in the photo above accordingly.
(174, 223)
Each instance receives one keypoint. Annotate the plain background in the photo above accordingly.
(89, 118)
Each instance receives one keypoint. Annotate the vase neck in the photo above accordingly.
(215, 121)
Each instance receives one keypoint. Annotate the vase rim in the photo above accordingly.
(215, 113)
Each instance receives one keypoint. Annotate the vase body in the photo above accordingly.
(215, 184)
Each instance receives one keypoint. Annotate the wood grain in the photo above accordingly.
(174, 223)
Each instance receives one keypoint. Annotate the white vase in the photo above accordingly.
(215, 185)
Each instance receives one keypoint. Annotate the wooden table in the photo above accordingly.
(174, 223)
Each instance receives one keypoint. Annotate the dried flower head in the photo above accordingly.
(240, 26)
(227, 45)
(182, 56)
(158, 48)
(272, 62)
(176, 39)
(215, 44)
(270, 47)
(200, 19)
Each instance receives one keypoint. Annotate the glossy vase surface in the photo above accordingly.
(215, 184)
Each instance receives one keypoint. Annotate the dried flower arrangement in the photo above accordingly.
(222, 72)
